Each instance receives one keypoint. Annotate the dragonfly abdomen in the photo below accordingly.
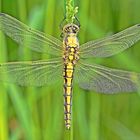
(70, 59)
(68, 78)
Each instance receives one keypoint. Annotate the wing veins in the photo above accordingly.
(104, 47)
(20, 32)
(29, 33)
(106, 44)
(104, 75)
(109, 72)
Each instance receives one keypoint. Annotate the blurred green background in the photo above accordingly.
(37, 113)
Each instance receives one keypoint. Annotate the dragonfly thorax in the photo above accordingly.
(71, 55)
(71, 47)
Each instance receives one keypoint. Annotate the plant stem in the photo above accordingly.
(70, 11)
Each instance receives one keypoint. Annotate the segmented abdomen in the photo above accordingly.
(68, 78)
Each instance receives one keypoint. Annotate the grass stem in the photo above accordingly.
(71, 11)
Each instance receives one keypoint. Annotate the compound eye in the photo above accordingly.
(66, 30)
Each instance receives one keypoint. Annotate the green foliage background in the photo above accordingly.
(37, 113)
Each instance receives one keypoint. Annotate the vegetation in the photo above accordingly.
(30, 113)
(70, 11)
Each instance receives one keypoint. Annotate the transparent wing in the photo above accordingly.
(36, 73)
(111, 45)
(28, 37)
(106, 80)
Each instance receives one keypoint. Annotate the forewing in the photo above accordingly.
(106, 80)
(28, 37)
(111, 45)
(36, 73)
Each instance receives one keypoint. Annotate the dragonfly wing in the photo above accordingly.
(35, 73)
(111, 45)
(106, 80)
(26, 36)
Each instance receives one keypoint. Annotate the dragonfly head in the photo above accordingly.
(71, 28)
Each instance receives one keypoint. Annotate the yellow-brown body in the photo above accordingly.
(70, 57)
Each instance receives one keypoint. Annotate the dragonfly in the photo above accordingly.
(70, 62)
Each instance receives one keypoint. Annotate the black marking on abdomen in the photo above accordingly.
(68, 78)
